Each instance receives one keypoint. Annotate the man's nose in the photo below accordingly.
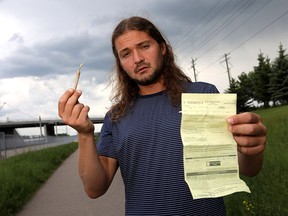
(137, 57)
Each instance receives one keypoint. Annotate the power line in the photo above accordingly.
(237, 27)
(209, 65)
(216, 25)
(221, 10)
(263, 29)
(184, 38)
(251, 37)
(222, 25)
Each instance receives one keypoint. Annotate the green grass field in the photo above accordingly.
(22, 175)
(269, 189)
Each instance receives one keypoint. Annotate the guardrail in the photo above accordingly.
(11, 145)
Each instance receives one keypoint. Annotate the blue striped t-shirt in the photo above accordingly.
(147, 145)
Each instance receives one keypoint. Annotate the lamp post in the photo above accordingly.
(40, 124)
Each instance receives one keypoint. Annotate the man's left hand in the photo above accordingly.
(249, 132)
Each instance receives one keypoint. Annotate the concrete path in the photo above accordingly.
(63, 195)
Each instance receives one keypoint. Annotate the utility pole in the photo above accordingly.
(194, 70)
(227, 66)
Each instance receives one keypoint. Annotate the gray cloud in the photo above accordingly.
(59, 56)
(16, 37)
(189, 25)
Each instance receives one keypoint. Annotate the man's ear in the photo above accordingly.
(163, 48)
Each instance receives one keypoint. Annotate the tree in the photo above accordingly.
(261, 80)
(279, 77)
(246, 91)
(242, 88)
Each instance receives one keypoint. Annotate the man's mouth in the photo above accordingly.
(141, 67)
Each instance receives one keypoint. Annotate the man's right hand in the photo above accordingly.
(73, 113)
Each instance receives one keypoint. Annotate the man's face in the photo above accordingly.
(140, 56)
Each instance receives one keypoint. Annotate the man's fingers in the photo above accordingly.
(248, 129)
(73, 113)
(76, 111)
(248, 150)
(67, 103)
(63, 100)
(246, 124)
(250, 145)
(249, 141)
(84, 112)
(244, 118)
(83, 124)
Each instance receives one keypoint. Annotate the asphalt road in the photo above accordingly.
(63, 195)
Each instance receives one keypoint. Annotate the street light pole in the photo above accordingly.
(40, 123)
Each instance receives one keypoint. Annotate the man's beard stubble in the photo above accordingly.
(151, 79)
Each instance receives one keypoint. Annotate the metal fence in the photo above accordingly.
(13, 144)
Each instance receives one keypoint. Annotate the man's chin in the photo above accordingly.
(149, 79)
(145, 82)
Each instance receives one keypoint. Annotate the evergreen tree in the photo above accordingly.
(242, 88)
(246, 90)
(279, 77)
(261, 80)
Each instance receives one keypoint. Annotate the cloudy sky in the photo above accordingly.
(42, 43)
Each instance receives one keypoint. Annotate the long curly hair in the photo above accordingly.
(125, 90)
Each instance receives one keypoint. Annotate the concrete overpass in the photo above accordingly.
(10, 126)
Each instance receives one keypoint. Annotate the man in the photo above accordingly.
(141, 131)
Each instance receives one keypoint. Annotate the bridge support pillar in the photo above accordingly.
(50, 130)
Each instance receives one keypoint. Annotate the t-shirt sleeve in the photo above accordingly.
(105, 142)
(213, 89)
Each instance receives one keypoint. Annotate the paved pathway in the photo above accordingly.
(63, 195)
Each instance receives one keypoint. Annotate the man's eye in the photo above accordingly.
(145, 46)
(124, 55)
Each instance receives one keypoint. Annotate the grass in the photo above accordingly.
(22, 175)
(269, 189)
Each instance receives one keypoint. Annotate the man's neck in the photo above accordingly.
(151, 89)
